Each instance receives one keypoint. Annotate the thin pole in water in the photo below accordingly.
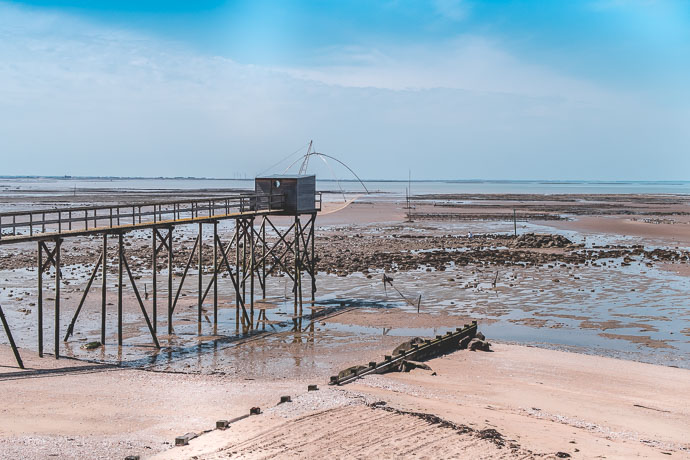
(514, 222)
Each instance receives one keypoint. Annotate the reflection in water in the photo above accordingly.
(521, 304)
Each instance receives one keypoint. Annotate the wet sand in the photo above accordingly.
(516, 402)
(541, 402)
(615, 286)
(672, 232)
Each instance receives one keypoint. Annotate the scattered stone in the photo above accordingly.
(479, 345)
(407, 366)
(255, 411)
(312, 387)
(462, 345)
(91, 345)
(535, 240)
(491, 435)
(222, 424)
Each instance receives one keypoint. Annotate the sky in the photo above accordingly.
(446, 89)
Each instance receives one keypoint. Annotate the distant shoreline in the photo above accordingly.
(451, 181)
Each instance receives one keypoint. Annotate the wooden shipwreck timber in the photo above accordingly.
(256, 258)
(417, 352)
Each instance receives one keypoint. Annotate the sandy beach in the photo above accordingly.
(585, 308)
(516, 402)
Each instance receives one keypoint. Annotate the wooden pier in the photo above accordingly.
(256, 258)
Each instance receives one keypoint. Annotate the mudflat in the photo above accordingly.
(587, 278)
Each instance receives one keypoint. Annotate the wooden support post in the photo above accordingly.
(154, 280)
(104, 290)
(201, 262)
(58, 243)
(70, 329)
(237, 268)
(514, 221)
(235, 284)
(299, 274)
(170, 281)
(215, 273)
(251, 270)
(244, 261)
(40, 299)
(11, 339)
(313, 260)
(184, 274)
(120, 257)
(141, 304)
(263, 257)
(296, 251)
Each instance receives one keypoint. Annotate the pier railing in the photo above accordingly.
(256, 257)
(32, 224)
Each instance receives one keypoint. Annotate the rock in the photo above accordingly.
(91, 346)
(479, 345)
(407, 366)
(491, 435)
(462, 345)
(479, 336)
(534, 240)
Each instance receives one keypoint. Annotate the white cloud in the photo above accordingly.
(80, 99)
(469, 63)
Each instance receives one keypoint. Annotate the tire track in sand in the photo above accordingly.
(364, 432)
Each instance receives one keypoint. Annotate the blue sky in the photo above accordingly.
(451, 89)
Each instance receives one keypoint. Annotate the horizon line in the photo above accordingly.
(553, 181)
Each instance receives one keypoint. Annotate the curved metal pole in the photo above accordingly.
(332, 158)
(348, 168)
(295, 162)
(334, 176)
